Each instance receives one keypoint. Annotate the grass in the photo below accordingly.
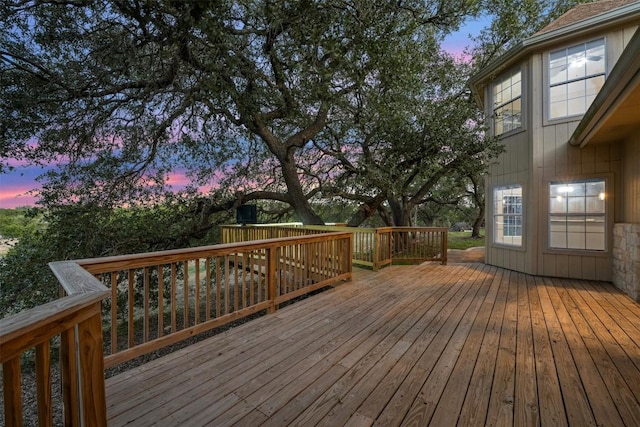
(463, 240)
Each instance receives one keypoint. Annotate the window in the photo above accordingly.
(576, 75)
(507, 215)
(507, 103)
(577, 215)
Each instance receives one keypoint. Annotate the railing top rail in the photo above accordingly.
(31, 327)
(106, 264)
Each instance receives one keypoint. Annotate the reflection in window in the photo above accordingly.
(577, 215)
(576, 75)
(507, 103)
(507, 215)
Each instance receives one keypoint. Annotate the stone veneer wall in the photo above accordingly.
(626, 258)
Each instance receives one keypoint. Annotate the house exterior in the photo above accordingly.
(563, 200)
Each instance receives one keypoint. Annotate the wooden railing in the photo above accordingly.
(75, 319)
(152, 300)
(164, 297)
(372, 247)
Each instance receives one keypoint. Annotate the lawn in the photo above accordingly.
(463, 240)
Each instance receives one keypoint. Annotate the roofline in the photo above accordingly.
(623, 14)
(624, 77)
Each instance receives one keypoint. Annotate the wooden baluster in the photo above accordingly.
(160, 300)
(12, 392)
(185, 286)
(174, 297)
(69, 368)
(114, 312)
(130, 298)
(272, 255)
(207, 266)
(43, 384)
(218, 286)
(145, 320)
(197, 284)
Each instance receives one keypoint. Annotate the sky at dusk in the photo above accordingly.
(16, 186)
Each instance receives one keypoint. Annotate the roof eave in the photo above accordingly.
(624, 77)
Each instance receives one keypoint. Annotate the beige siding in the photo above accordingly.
(631, 181)
(542, 154)
(554, 159)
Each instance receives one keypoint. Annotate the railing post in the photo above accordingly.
(272, 252)
(445, 242)
(93, 395)
(376, 250)
(69, 367)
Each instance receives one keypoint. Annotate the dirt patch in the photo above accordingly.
(6, 244)
(468, 255)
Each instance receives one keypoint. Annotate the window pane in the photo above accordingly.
(576, 205)
(594, 84)
(576, 241)
(558, 223)
(595, 57)
(558, 240)
(595, 242)
(558, 204)
(558, 66)
(595, 204)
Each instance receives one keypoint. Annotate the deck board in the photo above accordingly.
(464, 344)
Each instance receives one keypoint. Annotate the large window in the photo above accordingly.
(507, 215)
(577, 215)
(576, 75)
(507, 103)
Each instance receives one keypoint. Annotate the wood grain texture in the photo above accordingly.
(465, 344)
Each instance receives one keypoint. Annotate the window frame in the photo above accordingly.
(494, 107)
(495, 216)
(547, 79)
(606, 215)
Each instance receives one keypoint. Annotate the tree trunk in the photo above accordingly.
(299, 202)
(478, 222)
(401, 212)
(365, 211)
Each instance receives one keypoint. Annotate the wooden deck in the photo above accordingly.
(463, 344)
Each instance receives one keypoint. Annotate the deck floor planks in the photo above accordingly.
(550, 404)
(331, 350)
(420, 336)
(252, 363)
(342, 412)
(311, 399)
(455, 390)
(502, 395)
(471, 344)
(444, 326)
(620, 392)
(616, 342)
(601, 401)
(429, 397)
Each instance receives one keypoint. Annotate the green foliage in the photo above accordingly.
(25, 278)
(87, 231)
(14, 223)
